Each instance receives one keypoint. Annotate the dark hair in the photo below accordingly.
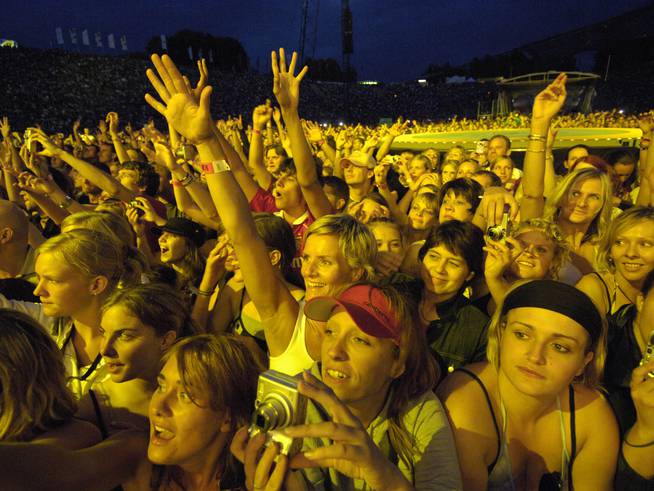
(147, 176)
(495, 180)
(278, 236)
(337, 186)
(468, 188)
(156, 305)
(625, 157)
(503, 137)
(287, 167)
(461, 238)
(647, 284)
(279, 150)
(580, 145)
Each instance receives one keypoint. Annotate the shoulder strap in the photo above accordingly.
(98, 414)
(92, 368)
(490, 408)
(573, 434)
(240, 303)
(609, 297)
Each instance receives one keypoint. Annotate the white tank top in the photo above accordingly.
(296, 357)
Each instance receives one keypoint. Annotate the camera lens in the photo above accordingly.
(273, 412)
(495, 233)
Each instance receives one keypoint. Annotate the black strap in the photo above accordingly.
(490, 407)
(573, 434)
(98, 415)
(92, 368)
(609, 300)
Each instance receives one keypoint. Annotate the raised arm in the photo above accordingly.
(121, 153)
(394, 131)
(286, 87)
(192, 119)
(646, 170)
(104, 181)
(260, 118)
(547, 104)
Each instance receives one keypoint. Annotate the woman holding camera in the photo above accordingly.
(376, 420)
(535, 250)
(520, 420)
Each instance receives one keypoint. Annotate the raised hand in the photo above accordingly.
(164, 154)
(551, 138)
(215, 265)
(36, 185)
(148, 211)
(49, 148)
(500, 256)
(76, 125)
(5, 129)
(381, 176)
(549, 102)
(398, 128)
(286, 85)
(112, 119)
(314, 133)
(277, 116)
(188, 116)
(134, 219)
(204, 78)
(261, 115)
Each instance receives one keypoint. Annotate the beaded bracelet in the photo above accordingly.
(533, 137)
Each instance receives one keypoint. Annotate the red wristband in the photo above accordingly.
(256, 131)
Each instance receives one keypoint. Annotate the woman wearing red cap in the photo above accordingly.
(387, 430)
(519, 420)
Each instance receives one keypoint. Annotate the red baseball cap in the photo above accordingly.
(367, 306)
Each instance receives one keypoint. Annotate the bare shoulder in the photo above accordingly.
(592, 411)
(462, 395)
(74, 435)
(594, 286)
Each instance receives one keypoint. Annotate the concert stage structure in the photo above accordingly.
(599, 138)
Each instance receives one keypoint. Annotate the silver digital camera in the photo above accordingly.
(499, 232)
(278, 405)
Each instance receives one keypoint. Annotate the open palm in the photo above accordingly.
(188, 115)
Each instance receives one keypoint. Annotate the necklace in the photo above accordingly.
(617, 283)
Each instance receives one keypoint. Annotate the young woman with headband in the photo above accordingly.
(528, 418)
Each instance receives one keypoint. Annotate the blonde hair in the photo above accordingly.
(356, 242)
(561, 193)
(91, 253)
(553, 233)
(118, 228)
(622, 222)
(593, 371)
(33, 393)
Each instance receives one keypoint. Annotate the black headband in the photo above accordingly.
(557, 297)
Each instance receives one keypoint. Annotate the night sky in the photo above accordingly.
(394, 40)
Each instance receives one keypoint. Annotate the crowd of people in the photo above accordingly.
(437, 320)
(88, 86)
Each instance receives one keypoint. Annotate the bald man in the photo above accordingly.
(16, 256)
